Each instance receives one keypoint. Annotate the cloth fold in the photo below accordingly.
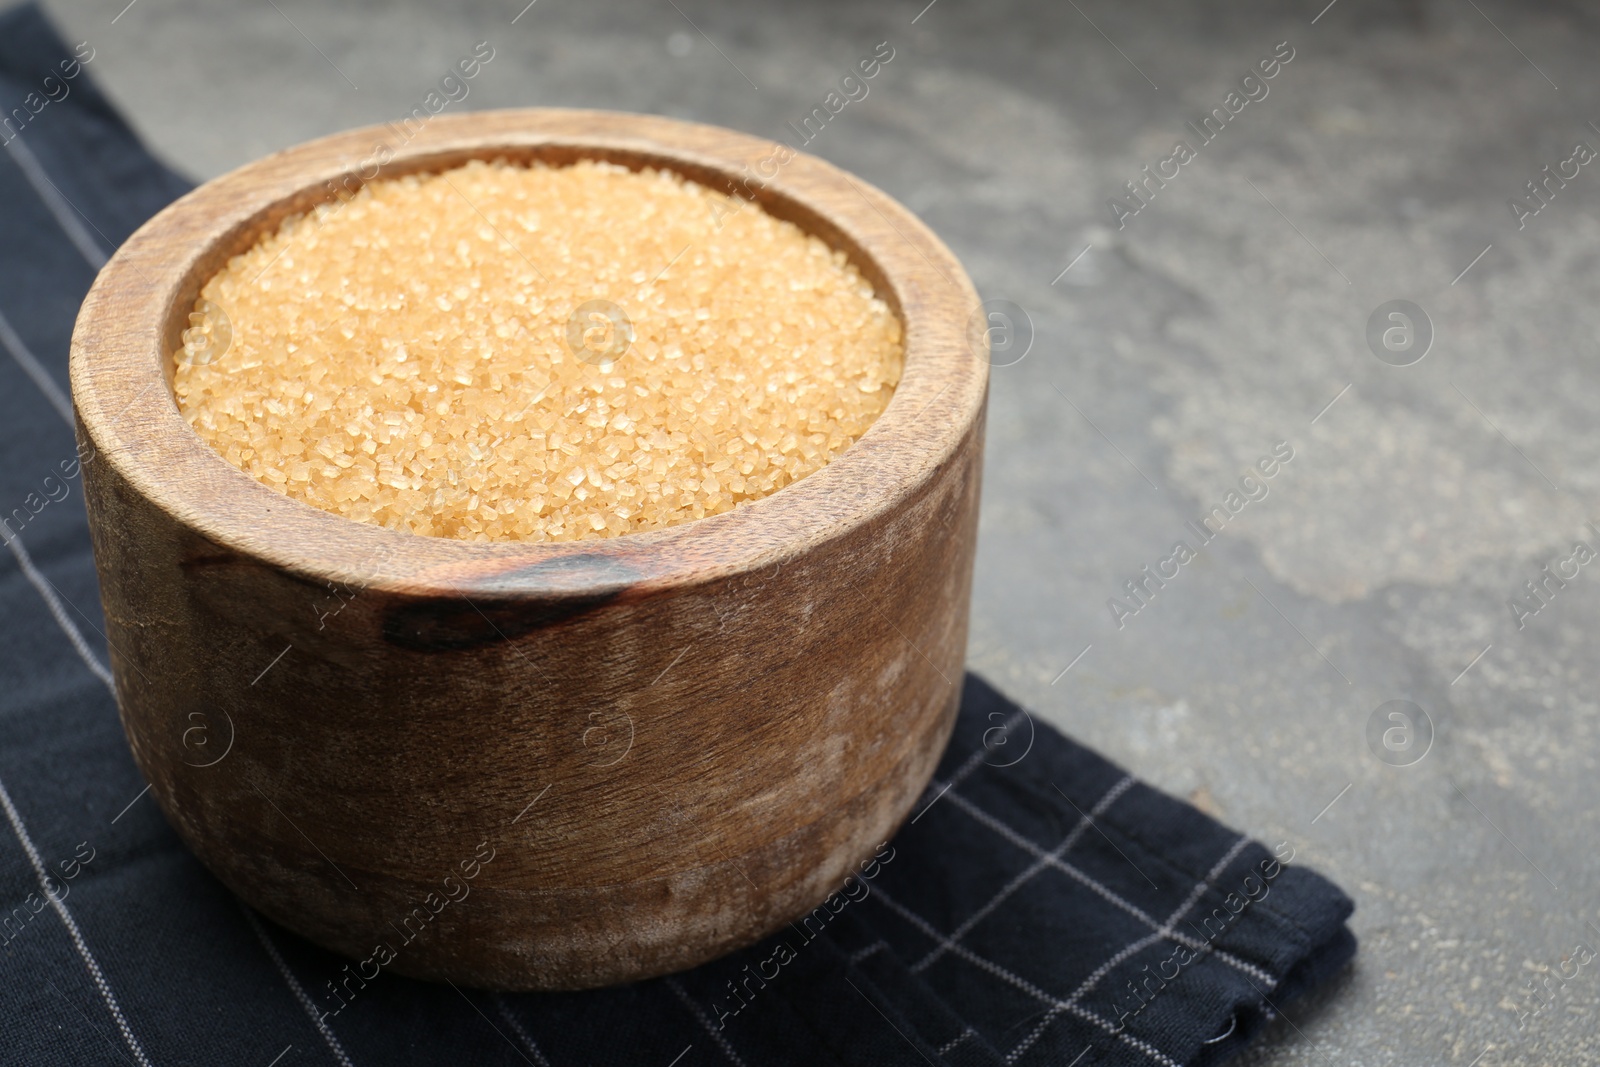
(1039, 907)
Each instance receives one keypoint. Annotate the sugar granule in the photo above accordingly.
(403, 358)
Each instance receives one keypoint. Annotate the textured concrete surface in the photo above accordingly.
(1221, 319)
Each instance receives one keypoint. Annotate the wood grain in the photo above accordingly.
(672, 743)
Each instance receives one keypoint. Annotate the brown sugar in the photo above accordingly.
(517, 353)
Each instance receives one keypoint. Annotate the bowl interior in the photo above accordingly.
(133, 319)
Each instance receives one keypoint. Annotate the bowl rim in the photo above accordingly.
(122, 347)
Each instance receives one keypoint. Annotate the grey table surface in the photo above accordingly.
(1172, 347)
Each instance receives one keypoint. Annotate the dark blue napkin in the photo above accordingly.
(1041, 906)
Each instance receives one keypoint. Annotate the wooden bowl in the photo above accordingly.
(533, 766)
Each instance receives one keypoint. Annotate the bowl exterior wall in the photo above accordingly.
(529, 789)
